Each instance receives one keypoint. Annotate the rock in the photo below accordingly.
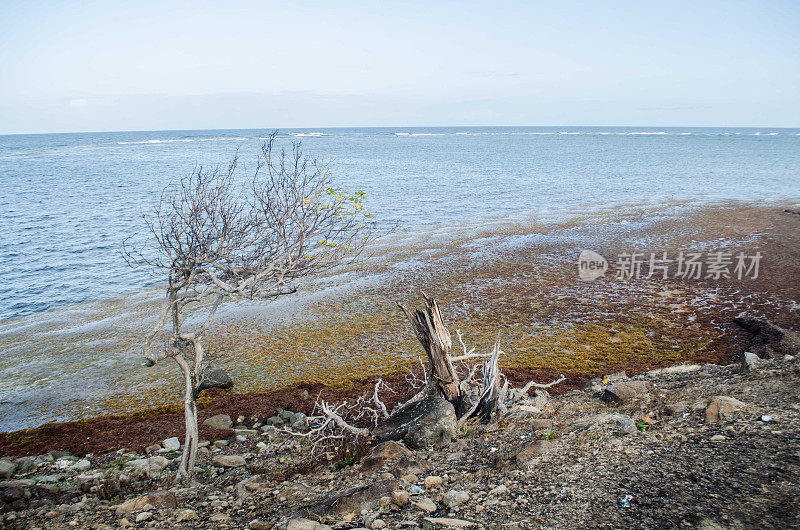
(156, 499)
(400, 498)
(625, 390)
(270, 432)
(171, 444)
(390, 449)
(499, 490)
(430, 421)
(426, 505)
(185, 515)
(455, 498)
(228, 461)
(219, 421)
(25, 463)
(717, 438)
(214, 377)
(540, 398)
(81, 465)
(721, 408)
(446, 522)
(767, 340)
(525, 454)
(378, 524)
(220, 518)
(275, 420)
(298, 420)
(371, 464)
(433, 481)
(246, 433)
(408, 466)
(622, 423)
(677, 369)
(749, 361)
(154, 464)
(541, 424)
(598, 383)
(258, 524)
(144, 516)
(354, 500)
(7, 469)
(300, 523)
(152, 448)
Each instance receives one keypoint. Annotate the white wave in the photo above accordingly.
(686, 134)
(418, 134)
(309, 134)
(567, 132)
(646, 133)
(765, 134)
(185, 140)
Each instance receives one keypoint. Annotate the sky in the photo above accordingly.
(68, 66)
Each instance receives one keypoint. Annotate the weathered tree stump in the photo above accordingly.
(435, 339)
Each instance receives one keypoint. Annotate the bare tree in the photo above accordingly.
(215, 239)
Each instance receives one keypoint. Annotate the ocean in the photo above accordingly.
(68, 200)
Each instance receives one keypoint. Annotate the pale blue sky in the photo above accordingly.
(141, 65)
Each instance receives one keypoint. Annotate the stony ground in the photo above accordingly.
(692, 446)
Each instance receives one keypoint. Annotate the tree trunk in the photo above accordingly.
(186, 468)
(435, 339)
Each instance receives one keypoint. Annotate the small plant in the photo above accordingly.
(344, 462)
(550, 435)
(642, 425)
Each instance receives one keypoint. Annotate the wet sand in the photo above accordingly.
(518, 279)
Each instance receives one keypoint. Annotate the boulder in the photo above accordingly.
(408, 466)
(81, 465)
(430, 421)
(154, 464)
(523, 455)
(454, 498)
(721, 408)
(156, 499)
(426, 505)
(7, 468)
(622, 424)
(353, 500)
(219, 421)
(749, 361)
(214, 377)
(622, 391)
(389, 449)
(301, 523)
(171, 444)
(768, 340)
(228, 461)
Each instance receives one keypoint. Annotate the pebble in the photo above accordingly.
(426, 505)
(433, 481)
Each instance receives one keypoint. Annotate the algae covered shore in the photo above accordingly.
(516, 279)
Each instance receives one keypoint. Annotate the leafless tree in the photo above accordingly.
(217, 238)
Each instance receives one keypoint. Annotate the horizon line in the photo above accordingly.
(406, 127)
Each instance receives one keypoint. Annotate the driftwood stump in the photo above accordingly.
(435, 339)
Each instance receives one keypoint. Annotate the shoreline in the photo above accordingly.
(492, 282)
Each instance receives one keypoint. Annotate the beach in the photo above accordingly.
(514, 281)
